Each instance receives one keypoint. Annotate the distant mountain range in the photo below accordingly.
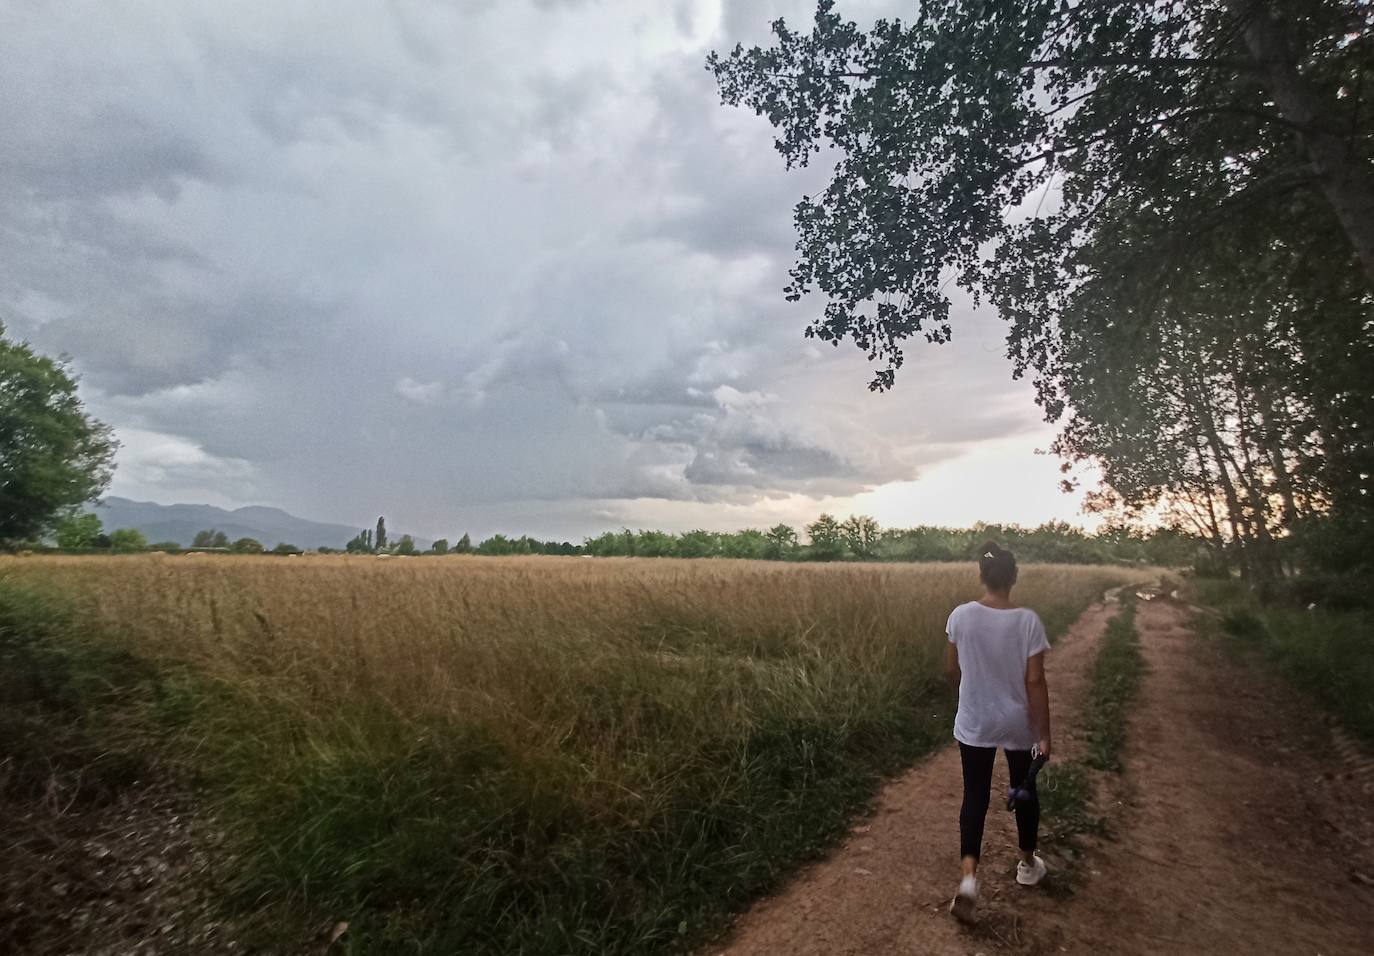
(179, 523)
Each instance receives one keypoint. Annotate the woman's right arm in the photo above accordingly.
(1038, 695)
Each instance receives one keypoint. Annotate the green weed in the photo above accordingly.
(1327, 653)
(1113, 683)
(68, 730)
(1068, 790)
(1066, 797)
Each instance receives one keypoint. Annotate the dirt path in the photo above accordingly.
(1244, 826)
(1240, 826)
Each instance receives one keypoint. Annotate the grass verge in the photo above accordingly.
(1113, 683)
(1067, 795)
(68, 730)
(1327, 653)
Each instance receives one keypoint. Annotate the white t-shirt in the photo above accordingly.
(994, 645)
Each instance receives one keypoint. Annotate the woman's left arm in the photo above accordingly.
(952, 666)
(1038, 696)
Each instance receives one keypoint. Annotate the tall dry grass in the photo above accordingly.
(534, 754)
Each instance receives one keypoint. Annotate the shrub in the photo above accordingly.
(1334, 592)
(1327, 653)
(128, 539)
(1243, 623)
(1211, 564)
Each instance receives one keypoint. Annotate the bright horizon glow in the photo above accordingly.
(997, 482)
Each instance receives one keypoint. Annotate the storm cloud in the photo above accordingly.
(494, 266)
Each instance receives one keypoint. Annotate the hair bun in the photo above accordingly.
(997, 566)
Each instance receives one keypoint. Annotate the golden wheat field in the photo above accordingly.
(544, 652)
(498, 638)
(531, 754)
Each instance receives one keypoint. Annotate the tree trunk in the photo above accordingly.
(1343, 177)
(1200, 456)
(1240, 522)
(1273, 442)
(1203, 518)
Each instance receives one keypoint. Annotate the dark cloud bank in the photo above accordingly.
(496, 266)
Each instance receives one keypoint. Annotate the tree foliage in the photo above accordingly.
(128, 539)
(210, 538)
(499, 544)
(1157, 111)
(77, 530)
(53, 455)
(1241, 404)
(782, 541)
(827, 538)
(860, 535)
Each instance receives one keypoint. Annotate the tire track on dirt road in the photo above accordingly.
(1240, 828)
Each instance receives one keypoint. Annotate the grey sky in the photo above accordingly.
(477, 265)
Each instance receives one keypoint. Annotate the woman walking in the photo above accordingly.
(996, 661)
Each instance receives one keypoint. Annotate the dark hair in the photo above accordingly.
(997, 567)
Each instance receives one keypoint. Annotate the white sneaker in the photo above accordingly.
(965, 903)
(1030, 875)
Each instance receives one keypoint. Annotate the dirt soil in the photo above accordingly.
(130, 878)
(1240, 824)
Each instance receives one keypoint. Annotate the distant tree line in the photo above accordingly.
(859, 538)
(375, 541)
(216, 540)
(83, 531)
(856, 538)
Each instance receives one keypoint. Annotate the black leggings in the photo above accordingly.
(978, 763)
